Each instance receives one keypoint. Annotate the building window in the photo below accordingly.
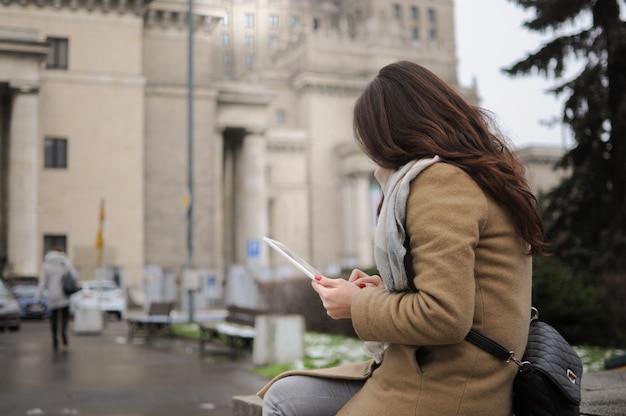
(272, 41)
(415, 34)
(54, 242)
(249, 60)
(273, 21)
(281, 117)
(226, 39)
(397, 10)
(249, 20)
(226, 20)
(432, 34)
(316, 23)
(59, 52)
(249, 41)
(414, 13)
(55, 152)
(432, 15)
(228, 58)
(293, 21)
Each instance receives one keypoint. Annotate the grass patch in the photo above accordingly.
(593, 357)
(321, 351)
(270, 371)
(188, 330)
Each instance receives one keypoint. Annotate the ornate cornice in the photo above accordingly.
(23, 47)
(19, 87)
(286, 146)
(541, 155)
(136, 7)
(287, 140)
(329, 84)
(180, 91)
(161, 13)
(175, 14)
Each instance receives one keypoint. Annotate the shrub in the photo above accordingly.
(573, 305)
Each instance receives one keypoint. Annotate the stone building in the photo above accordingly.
(95, 107)
(540, 167)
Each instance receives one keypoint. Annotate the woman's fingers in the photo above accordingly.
(356, 275)
(362, 279)
(336, 295)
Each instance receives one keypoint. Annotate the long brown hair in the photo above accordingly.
(408, 113)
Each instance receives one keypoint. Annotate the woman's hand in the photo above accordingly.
(362, 279)
(336, 295)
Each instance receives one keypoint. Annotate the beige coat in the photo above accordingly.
(471, 272)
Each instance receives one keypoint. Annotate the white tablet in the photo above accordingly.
(293, 258)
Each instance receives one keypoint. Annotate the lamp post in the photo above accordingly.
(190, 262)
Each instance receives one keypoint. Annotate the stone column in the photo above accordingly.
(362, 219)
(253, 200)
(218, 189)
(229, 206)
(349, 253)
(358, 228)
(23, 229)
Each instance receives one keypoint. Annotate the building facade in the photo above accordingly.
(96, 102)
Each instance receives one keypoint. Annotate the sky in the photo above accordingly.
(490, 36)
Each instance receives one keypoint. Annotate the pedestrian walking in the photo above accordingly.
(55, 265)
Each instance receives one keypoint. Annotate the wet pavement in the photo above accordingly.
(105, 375)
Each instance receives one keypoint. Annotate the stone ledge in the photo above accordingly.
(247, 405)
(603, 394)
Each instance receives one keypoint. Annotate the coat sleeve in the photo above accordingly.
(446, 210)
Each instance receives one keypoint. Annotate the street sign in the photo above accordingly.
(254, 248)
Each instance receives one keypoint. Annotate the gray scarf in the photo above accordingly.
(389, 249)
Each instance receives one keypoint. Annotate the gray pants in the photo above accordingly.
(308, 396)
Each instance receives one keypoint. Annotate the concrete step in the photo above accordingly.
(247, 405)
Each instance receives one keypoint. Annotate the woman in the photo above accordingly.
(55, 265)
(455, 234)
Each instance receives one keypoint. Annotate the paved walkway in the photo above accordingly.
(103, 375)
(604, 393)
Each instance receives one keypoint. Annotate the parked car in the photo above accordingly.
(25, 295)
(9, 309)
(104, 295)
(12, 280)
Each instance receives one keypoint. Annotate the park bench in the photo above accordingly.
(156, 321)
(237, 329)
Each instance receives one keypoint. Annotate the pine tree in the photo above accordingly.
(585, 216)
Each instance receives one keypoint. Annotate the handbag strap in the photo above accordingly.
(495, 349)
(489, 345)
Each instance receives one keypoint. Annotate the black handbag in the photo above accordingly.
(69, 284)
(550, 371)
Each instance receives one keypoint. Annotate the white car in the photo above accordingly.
(104, 295)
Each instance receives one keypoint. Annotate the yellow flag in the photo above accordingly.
(99, 239)
(101, 210)
(99, 235)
